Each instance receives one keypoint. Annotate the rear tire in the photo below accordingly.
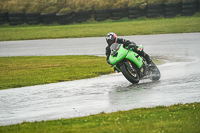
(131, 76)
(155, 72)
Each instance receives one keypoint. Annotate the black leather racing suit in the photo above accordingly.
(126, 43)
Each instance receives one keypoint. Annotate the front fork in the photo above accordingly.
(127, 63)
(117, 68)
(141, 71)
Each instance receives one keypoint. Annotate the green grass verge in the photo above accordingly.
(125, 26)
(179, 118)
(35, 70)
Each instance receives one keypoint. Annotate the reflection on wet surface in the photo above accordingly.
(179, 83)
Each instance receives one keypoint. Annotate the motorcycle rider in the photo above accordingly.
(111, 38)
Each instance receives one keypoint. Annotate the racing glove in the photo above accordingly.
(132, 46)
(126, 43)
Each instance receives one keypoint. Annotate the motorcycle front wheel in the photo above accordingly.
(130, 74)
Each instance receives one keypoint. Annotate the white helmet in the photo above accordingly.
(111, 38)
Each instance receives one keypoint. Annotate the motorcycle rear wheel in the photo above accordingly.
(154, 73)
(130, 75)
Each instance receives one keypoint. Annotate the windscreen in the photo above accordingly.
(114, 48)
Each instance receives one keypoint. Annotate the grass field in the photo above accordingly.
(180, 118)
(122, 27)
(33, 70)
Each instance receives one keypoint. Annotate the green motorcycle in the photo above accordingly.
(132, 66)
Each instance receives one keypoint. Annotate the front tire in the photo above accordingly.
(130, 75)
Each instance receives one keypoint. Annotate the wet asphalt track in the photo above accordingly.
(180, 81)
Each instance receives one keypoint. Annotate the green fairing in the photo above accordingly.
(128, 54)
(121, 55)
(132, 57)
